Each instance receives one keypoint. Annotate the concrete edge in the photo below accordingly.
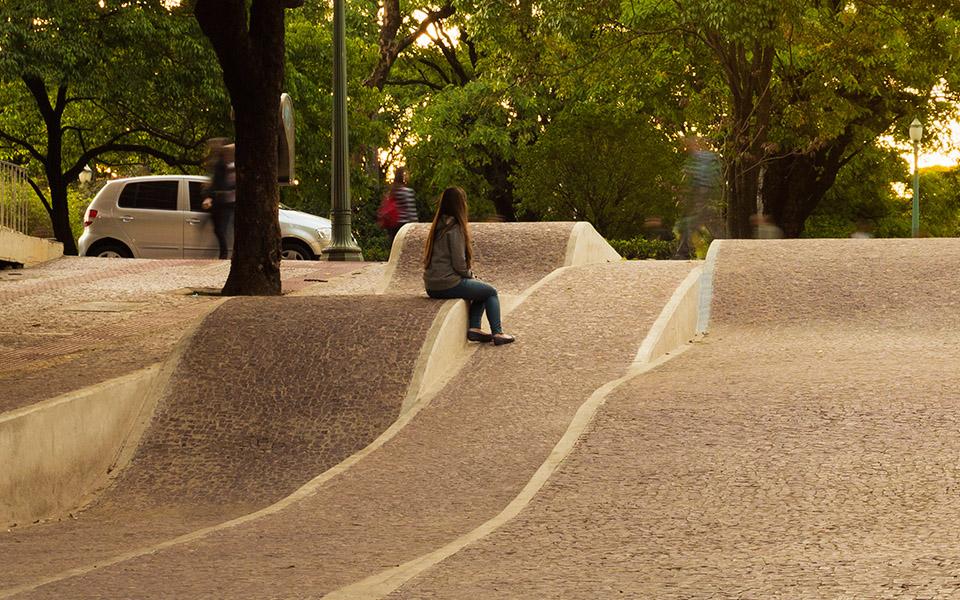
(66, 450)
(27, 250)
(448, 323)
(444, 351)
(57, 452)
(586, 246)
(388, 581)
(677, 323)
(394, 260)
(706, 287)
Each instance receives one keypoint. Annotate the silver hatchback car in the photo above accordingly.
(161, 217)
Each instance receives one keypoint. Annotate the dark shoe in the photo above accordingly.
(503, 338)
(479, 336)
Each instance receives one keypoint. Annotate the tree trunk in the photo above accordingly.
(748, 73)
(497, 173)
(794, 185)
(255, 267)
(60, 216)
(744, 179)
(250, 49)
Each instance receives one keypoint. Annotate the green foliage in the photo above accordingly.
(119, 84)
(563, 109)
(605, 164)
(640, 248)
(940, 202)
(78, 198)
(862, 196)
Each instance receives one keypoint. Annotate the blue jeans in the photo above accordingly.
(480, 295)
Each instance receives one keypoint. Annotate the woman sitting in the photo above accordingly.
(446, 261)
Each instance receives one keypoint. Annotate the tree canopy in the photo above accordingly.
(101, 83)
(540, 109)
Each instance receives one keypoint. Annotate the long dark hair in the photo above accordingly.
(453, 203)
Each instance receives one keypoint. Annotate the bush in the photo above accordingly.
(640, 248)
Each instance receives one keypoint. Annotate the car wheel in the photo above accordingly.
(295, 250)
(110, 251)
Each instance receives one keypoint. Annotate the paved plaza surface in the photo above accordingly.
(75, 322)
(806, 447)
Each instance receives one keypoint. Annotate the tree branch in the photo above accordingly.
(39, 193)
(23, 144)
(423, 82)
(391, 46)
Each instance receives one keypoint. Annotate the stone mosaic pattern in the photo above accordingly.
(458, 463)
(509, 256)
(809, 447)
(47, 348)
(270, 393)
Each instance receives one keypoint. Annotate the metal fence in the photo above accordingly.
(14, 197)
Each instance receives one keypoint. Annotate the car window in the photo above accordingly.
(156, 195)
(196, 195)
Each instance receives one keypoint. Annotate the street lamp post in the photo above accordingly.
(342, 246)
(916, 134)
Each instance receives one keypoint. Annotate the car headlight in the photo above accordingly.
(323, 234)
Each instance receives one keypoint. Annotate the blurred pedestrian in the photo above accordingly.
(764, 228)
(702, 178)
(406, 203)
(656, 229)
(219, 196)
(447, 259)
(864, 230)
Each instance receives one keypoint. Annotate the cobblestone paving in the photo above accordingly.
(808, 448)
(256, 407)
(492, 242)
(52, 340)
(457, 464)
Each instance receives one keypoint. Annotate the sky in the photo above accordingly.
(940, 151)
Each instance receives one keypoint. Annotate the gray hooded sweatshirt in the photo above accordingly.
(448, 265)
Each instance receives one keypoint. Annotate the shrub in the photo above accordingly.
(639, 248)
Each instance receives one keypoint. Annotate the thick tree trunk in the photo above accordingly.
(497, 173)
(794, 185)
(255, 269)
(60, 216)
(249, 44)
(744, 179)
(748, 73)
(52, 114)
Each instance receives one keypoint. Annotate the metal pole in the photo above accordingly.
(915, 228)
(342, 246)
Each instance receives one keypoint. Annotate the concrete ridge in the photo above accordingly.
(389, 580)
(395, 250)
(511, 255)
(23, 249)
(386, 582)
(676, 323)
(50, 433)
(706, 286)
(586, 246)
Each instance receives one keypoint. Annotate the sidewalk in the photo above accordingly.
(74, 322)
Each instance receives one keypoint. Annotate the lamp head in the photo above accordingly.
(916, 130)
(86, 175)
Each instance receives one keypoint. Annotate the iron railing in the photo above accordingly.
(14, 197)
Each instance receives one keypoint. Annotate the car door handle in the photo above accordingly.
(193, 221)
(126, 218)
